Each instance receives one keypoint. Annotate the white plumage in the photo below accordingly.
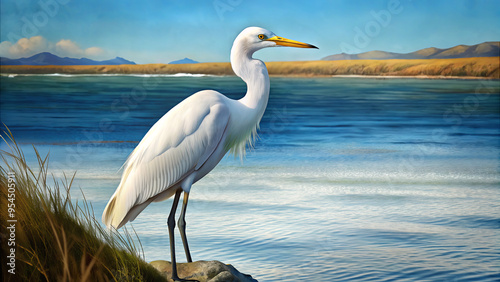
(191, 138)
(170, 155)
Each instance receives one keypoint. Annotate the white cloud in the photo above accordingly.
(68, 48)
(26, 47)
(94, 52)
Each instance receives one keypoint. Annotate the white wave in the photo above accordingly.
(58, 74)
(116, 74)
(407, 76)
(38, 74)
(191, 74)
(170, 75)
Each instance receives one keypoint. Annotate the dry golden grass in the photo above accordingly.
(56, 238)
(202, 68)
(468, 67)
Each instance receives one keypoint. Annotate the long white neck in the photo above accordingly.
(248, 111)
(254, 73)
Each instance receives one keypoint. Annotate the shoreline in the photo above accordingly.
(466, 68)
(435, 77)
(417, 77)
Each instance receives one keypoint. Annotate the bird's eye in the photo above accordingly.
(262, 36)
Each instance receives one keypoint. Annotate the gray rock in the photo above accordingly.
(203, 271)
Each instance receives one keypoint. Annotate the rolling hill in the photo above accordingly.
(46, 59)
(183, 61)
(486, 49)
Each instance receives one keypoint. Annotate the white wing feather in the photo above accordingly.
(177, 145)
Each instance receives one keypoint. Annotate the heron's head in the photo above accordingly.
(252, 39)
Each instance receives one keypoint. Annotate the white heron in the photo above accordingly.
(190, 140)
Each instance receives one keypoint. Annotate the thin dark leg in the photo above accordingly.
(182, 226)
(171, 226)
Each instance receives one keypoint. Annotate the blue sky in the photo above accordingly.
(160, 31)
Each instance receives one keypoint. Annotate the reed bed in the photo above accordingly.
(485, 67)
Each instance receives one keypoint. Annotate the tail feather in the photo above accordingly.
(118, 207)
(109, 212)
(116, 213)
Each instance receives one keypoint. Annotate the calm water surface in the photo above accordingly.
(352, 179)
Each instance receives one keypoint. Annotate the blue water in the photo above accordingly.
(352, 178)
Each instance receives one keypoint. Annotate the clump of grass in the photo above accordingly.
(57, 239)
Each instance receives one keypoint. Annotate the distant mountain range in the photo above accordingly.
(486, 49)
(46, 58)
(183, 61)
